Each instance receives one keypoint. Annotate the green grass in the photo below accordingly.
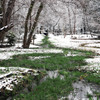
(97, 94)
(51, 89)
(94, 78)
(89, 96)
(80, 52)
(1, 72)
(88, 76)
(4, 71)
(55, 61)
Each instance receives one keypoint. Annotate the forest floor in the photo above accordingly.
(70, 67)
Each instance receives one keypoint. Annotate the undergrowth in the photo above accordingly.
(46, 43)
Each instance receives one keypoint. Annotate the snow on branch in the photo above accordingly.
(6, 28)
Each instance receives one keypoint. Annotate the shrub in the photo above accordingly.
(11, 38)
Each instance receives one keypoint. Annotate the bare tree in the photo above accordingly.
(5, 23)
(74, 12)
(28, 33)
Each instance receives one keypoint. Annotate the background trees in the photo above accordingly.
(68, 16)
(91, 14)
(94, 16)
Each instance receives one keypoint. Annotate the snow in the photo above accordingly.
(96, 59)
(96, 45)
(70, 42)
(14, 75)
(5, 27)
(83, 42)
(39, 57)
(81, 89)
(76, 42)
(7, 53)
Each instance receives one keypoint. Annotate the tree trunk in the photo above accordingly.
(10, 8)
(3, 11)
(26, 23)
(3, 30)
(70, 25)
(5, 21)
(27, 44)
(74, 12)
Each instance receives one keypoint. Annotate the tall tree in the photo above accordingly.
(28, 33)
(6, 12)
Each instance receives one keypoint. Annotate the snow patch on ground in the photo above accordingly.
(96, 59)
(6, 53)
(39, 57)
(9, 54)
(96, 45)
(13, 76)
(75, 42)
(81, 89)
(69, 42)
